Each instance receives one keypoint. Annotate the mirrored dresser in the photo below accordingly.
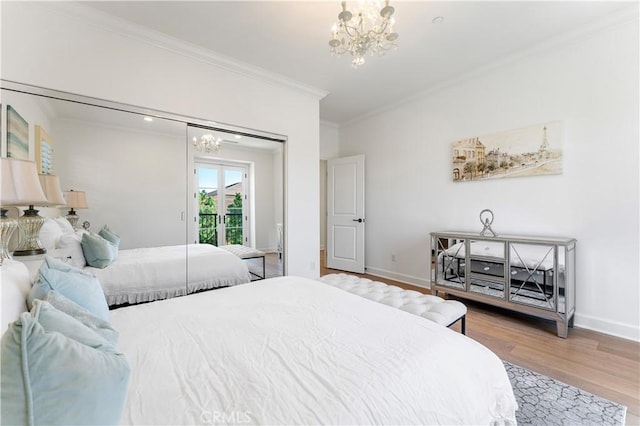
(532, 275)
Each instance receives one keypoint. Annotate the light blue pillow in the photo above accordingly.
(98, 252)
(56, 371)
(53, 263)
(83, 289)
(54, 320)
(101, 327)
(110, 236)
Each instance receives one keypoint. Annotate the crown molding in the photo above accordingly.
(329, 124)
(610, 22)
(86, 14)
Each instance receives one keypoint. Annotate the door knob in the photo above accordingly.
(360, 220)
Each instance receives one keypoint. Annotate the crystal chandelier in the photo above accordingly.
(207, 143)
(366, 29)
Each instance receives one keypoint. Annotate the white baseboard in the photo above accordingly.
(403, 278)
(613, 328)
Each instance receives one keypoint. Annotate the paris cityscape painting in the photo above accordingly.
(530, 151)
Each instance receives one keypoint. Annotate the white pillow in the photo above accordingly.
(50, 233)
(64, 224)
(16, 283)
(70, 249)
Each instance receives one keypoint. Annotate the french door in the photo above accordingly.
(223, 213)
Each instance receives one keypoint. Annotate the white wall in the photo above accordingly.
(590, 84)
(329, 140)
(135, 181)
(323, 204)
(278, 196)
(329, 148)
(45, 46)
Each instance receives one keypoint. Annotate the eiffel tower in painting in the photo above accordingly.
(544, 146)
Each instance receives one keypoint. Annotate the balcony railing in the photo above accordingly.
(208, 228)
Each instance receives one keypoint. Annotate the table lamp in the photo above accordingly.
(26, 192)
(75, 200)
(8, 197)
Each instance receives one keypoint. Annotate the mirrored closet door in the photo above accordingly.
(137, 170)
(237, 190)
(132, 168)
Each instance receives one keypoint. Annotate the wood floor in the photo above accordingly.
(598, 363)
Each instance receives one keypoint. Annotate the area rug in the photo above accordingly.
(546, 401)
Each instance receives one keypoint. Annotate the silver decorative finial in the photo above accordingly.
(486, 222)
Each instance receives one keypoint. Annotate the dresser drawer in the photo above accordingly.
(494, 269)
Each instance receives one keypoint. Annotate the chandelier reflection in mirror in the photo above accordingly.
(366, 29)
(207, 143)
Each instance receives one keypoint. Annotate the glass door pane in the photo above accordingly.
(233, 202)
(532, 274)
(208, 191)
(450, 258)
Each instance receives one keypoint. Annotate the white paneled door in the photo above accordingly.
(345, 214)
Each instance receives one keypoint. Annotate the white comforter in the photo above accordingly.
(145, 274)
(296, 351)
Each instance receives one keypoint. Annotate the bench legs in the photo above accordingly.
(463, 324)
(264, 268)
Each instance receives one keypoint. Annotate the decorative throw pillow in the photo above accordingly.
(53, 263)
(109, 235)
(49, 234)
(64, 224)
(70, 248)
(83, 289)
(56, 321)
(16, 283)
(101, 327)
(57, 371)
(98, 252)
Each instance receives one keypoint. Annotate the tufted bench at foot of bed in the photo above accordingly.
(433, 308)
(244, 253)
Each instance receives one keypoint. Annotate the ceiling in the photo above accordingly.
(291, 38)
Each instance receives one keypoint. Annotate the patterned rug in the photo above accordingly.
(546, 401)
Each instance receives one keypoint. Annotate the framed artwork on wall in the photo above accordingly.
(17, 135)
(44, 151)
(529, 151)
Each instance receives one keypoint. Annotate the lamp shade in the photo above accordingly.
(51, 187)
(76, 199)
(20, 185)
(8, 194)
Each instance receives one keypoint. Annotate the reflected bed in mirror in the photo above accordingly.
(137, 171)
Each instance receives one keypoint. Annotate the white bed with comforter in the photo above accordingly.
(296, 351)
(146, 274)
